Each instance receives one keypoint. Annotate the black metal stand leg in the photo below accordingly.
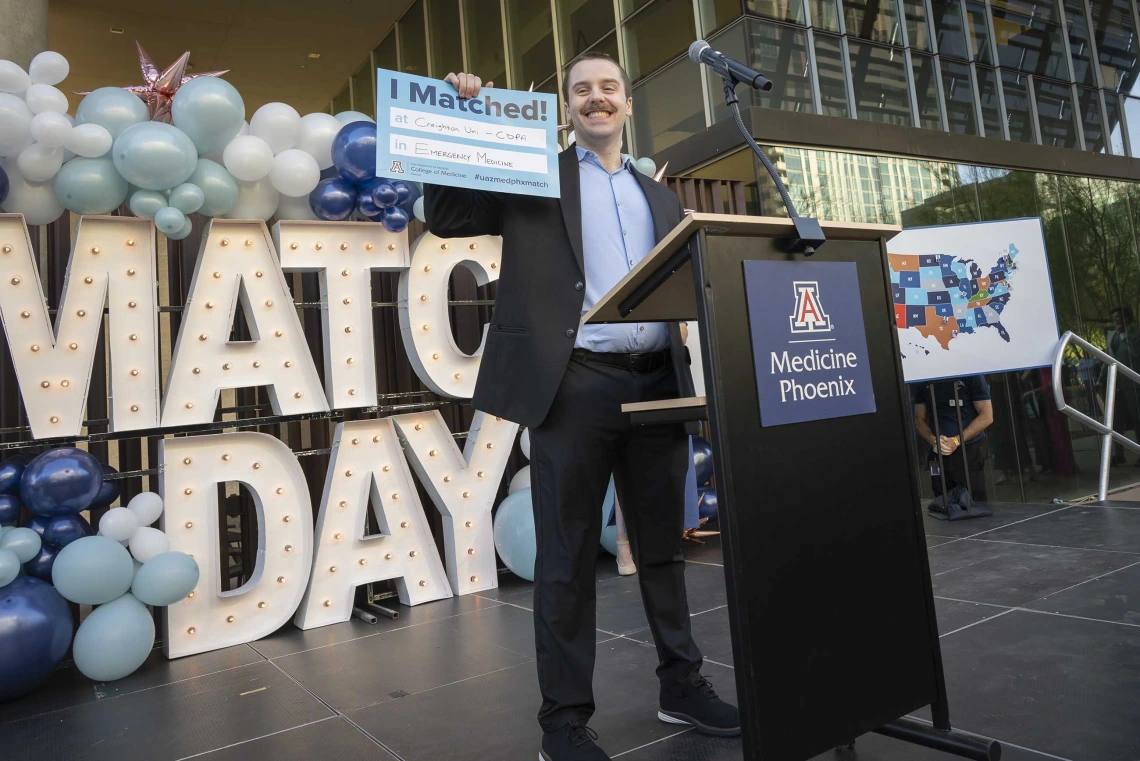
(947, 740)
(938, 448)
(962, 446)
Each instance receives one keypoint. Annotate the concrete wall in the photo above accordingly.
(23, 29)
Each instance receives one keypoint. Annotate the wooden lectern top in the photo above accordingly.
(674, 299)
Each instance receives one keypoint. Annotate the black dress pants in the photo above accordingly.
(976, 454)
(584, 438)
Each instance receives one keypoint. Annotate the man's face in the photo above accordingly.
(1118, 321)
(598, 104)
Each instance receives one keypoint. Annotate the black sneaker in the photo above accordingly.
(573, 742)
(695, 702)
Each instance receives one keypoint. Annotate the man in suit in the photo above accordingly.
(566, 381)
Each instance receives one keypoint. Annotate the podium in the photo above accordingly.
(830, 604)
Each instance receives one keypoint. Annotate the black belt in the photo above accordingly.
(638, 363)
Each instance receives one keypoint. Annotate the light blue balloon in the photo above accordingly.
(609, 532)
(646, 166)
(218, 186)
(209, 110)
(90, 186)
(9, 567)
(169, 220)
(418, 209)
(514, 533)
(93, 570)
(187, 197)
(146, 203)
(184, 232)
(348, 117)
(113, 108)
(22, 542)
(114, 640)
(165, 579)
(154, 156)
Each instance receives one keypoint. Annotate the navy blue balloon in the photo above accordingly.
(383, 193)
(395, 219)
(10, 506)
(10, 472)
(40, 566)
(330, 174)
(702, 459)
(61, 481)
(333, 200)
(708, 506)
(367, 208)
(38, 523)
(407, 192)
(354, 151)
(63, 531)
(109, 491)
(35, 632)
(3, 184)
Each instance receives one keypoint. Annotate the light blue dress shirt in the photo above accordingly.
(617, 233)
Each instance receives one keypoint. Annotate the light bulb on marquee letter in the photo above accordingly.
(112, 257)
(424, 320)
(346, 295)
(192, 467)
(222, 277)
(368, 468)
(463, 486)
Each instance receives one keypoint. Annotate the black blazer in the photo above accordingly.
(541, 282)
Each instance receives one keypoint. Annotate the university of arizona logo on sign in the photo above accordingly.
(809, 316)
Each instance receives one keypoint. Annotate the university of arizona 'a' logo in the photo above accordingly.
(809, 316)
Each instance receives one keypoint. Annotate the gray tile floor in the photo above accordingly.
(1038, 606)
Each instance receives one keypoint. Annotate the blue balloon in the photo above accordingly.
(219, 188)
(93, 570)
(63, 531)
(514, 533)
(40, 566)
(354, 151)
(10, 506)
(61, 481)
(333, 200)
(114, 640)
(90, 186)
(144, 204)
(395, 219)
(10, 472)
(4, 184)
(609, 521)
(110, 490)
(383, 192)
(406, 192)
(165, 579)
(703, 459)
(209, 110)
(24, 542)
(9, 566)
(35, 632)
(708, 504)
(112, 108)
(187, 197)
(169, 220)
(38, 523)
(154, 156)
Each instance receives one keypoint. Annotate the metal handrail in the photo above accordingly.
(1108, 435)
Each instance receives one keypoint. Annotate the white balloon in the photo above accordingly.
(295, 208)
(295, 173)
(90, 140)
(348, 117)
(15, 124)
(51, 129)
(147, 506)
(256, 200)
(570, 138)
(316, 135)
(145, 543)
(243, 131)
(35, 200)
(118, 523)
(248, 158)
(48, 68)
(41, 98)
(521, 480)
(524, 443)
(13, 78)
(277, 124)
(39, 163)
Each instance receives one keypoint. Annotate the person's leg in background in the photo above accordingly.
(625, 564)
(692, 502)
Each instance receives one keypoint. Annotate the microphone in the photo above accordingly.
(702, 52)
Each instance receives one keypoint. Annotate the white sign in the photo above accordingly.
(972, 299)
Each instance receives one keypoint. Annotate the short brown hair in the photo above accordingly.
(596, 55)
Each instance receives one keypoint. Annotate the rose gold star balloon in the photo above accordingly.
(161, 86)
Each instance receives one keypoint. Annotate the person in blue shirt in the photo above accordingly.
(977, 414)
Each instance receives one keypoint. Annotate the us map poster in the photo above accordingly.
(972, 299)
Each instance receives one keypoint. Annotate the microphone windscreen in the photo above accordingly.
(695, 50)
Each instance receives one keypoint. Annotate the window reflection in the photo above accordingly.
(667, 108)
(413, 41)
(532, 42)
(1079, 42)
(781, 10)
(878, 75)
(1029, 37)
(988, 99)
(657, 34)
(917, 30)
(876, 20)
(959, 96)
(385, 53)
(832, 81)
(1112, 118)
(1055, 114)
(582, 23)
(1091, 120)
(485, 40)
(1116, 43)
(342, 101)
(446, 37)
(777, 50)
(824, 15)
(1018, 118)
(926, 90)
(947, 20)
(979, 27)
(718, 13)
(363, 92)
(1132, 119)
